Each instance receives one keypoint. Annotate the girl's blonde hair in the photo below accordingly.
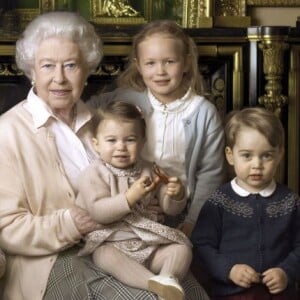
(131, 78)
(257, 118)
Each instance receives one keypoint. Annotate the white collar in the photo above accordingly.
(38, 108)
(134, 171)
(41, 112)
(172, 107)
(266, 192)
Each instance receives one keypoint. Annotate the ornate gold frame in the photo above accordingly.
(98, 15)
(231, 13)
(225, 13)
(195, 13)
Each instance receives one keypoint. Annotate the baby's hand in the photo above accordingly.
(275, 279)
(175, 188)
(243, 275)
(139, 189)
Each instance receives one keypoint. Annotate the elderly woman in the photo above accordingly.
(45, 143)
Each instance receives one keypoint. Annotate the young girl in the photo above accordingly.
(116, 190)
(184, 131)
(248, 232)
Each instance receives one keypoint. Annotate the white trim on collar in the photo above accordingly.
(266, 192)
(171, 107)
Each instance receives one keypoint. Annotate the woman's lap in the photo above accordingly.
(74, 277)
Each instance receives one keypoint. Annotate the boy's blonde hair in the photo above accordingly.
(131, 78)
(257, 118)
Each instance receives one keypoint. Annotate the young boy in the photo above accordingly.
(248, 232)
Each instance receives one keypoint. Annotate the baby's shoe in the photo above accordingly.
(166, 287)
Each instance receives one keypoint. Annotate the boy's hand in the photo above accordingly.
(275, 279)
(175, 188)
(139, 189)
(243, 275)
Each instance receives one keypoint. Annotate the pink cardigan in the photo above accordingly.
(102, 194)
(35, 195)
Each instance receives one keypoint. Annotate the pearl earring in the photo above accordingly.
(32, 82)
(85, 84)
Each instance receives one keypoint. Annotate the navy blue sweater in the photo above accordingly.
(263, 232)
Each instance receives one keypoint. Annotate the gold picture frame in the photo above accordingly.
(225, 13)
(197, 13)
(120, 12)
(231, 13)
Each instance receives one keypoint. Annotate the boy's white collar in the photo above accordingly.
(266, 192)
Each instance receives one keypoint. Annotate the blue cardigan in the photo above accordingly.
(263, 232)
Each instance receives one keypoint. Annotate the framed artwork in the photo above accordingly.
(188, 13)
(121, 12)
(197, 13)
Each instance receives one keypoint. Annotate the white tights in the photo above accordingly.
(170, 260)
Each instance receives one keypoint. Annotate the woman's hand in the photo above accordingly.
(139, 189)
(244, 275)
(82, 220)
(275, 279)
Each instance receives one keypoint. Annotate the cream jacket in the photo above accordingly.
(35, 195)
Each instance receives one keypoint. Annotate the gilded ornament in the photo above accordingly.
(118, 8)
(273, 66)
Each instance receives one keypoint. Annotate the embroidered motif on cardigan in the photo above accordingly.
(235, 207)
(283, 207)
